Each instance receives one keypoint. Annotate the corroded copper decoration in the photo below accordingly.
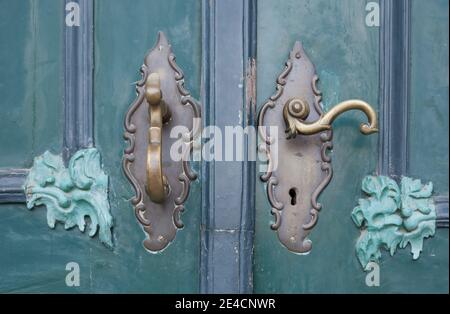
(161, 183)
(299, 167)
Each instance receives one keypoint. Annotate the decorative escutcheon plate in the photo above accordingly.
(299, 168)
(160, 95)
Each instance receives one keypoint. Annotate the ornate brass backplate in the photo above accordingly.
(161, 182)
(299, 167)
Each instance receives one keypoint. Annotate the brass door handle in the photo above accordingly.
(296, 111)
(157, 185)
(299, 165)
(161, 181)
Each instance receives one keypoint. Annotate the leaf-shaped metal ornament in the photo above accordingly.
(73, 193)
(392, 217)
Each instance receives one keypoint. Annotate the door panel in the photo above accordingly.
(30, 122)
(34, 257)
(30, 80)
(123, 35)
(345, 52)
(428, 120)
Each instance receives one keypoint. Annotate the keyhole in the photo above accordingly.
(293, 195)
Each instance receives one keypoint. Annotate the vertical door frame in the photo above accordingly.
(228, 98)
(78, 81)
(395, 84)
(395, 34)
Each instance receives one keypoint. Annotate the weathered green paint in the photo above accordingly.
(30, 80)
(123, 35)
(346, 55)
(345, 52)
(34, 259)
(393, 217)
(429, 109)
(72, 194)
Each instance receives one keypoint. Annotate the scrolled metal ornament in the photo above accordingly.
(161, 184)
(299, 166)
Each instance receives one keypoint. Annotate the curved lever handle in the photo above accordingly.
(295, 110)
(157, 185)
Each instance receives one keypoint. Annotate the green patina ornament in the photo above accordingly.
(393, 216)
(72, 194)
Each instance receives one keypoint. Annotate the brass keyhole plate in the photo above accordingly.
(301, 168)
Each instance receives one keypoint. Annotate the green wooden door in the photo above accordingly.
(35, 119)
(351, 57)
(68, 71)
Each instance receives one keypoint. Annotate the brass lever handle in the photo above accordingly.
(157, 185)
(296, 110)
(298, 171)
